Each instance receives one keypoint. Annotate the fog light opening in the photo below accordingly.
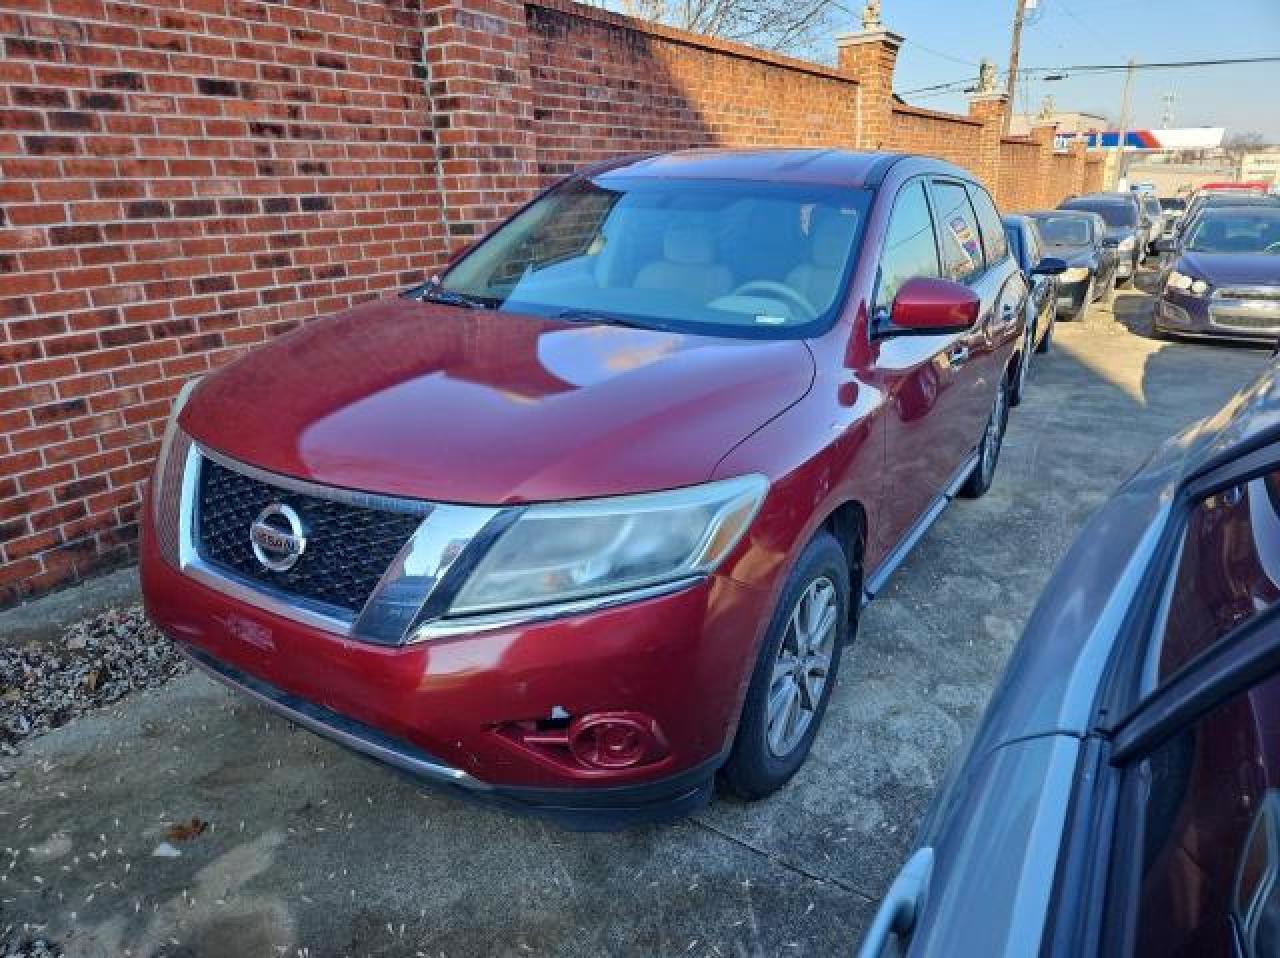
(612, 740)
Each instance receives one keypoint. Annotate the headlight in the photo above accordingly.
(1127, 244)
(1075, 274)
(560, 552)
(166, 480)
(1185, 284)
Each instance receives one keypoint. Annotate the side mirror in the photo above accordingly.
(1166, 244)
(932, 306)
(1049, 266)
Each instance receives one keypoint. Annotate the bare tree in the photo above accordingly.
(792, 26)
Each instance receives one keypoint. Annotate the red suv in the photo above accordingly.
(589, 517)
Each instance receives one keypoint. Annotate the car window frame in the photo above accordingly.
(880, 325)
(973, 189)
(933, 179)
(1101, 862)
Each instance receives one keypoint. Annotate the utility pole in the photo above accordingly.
(1166, 118)
(1124, 121)
(1019, 10)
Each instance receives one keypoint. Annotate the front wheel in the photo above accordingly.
(984, 472)
(1047, 342)
(794, 674)
(1024, 369)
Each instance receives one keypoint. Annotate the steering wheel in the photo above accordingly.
(768, 287)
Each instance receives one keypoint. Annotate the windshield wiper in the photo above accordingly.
(612, 319)
(432, 292)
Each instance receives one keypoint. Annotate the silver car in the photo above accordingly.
(1121, 795)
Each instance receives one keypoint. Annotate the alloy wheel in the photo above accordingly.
(802, 667)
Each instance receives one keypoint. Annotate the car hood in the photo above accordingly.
(1220, 269)
(435, 402)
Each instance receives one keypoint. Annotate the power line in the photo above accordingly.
(1091, 68)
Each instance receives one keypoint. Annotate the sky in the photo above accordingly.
(1244, 99)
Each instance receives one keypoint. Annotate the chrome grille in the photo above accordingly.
(1246, 309)
(349, 546)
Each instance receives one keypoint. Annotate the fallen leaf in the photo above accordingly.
(185, 831)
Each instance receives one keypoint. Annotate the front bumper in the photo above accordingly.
(444, 710)
(1182, 314)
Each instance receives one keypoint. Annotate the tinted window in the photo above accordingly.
(958, 227)
(993, 239)
(909, 246)
(1209, 855)
(748, 258)
(1228, 571)
(1065, 230)
(1113, 214)
(1235, 231)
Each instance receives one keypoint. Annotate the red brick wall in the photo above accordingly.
(180, 181)
(946, 135)
(605, 85)
(1019, 159)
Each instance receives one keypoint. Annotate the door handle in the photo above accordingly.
(900, 909)
(958, 355)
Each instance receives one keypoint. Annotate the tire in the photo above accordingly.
(1019, 389)
(984, 472)
(766, 754)
(1088, 299)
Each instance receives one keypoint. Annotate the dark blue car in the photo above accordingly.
(1041, 273)
(1224, 278)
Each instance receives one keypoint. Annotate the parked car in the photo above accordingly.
(1041, 274)
(1221, 200)
(1078, 238)
(588, 518)
(1173, 207)
(1155, 214)
(1223, 279)
(1126, 229)
(1121, 795)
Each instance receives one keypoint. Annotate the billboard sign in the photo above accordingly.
(1189, 138)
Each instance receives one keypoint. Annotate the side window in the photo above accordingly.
(1209, 854)
(958, 227)
(910, 249)
(989, 222)
(1227, 573)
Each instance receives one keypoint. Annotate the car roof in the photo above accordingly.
(1244, 209)
(1103, 198)
(832, 167)
(1062, 212)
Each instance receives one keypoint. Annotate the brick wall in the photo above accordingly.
(181, 180)
(179, 183)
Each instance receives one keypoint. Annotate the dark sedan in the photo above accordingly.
(1078, 238)
(1213, 201)
(1126, 227)
(1041, 273)
(1224, 278)
(1122, 793)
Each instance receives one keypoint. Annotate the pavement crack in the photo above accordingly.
(781, 862)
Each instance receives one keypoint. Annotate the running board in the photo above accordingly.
(876, 582)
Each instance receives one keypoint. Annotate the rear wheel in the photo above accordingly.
(1024, 369)
(795, 672)
(984, 472)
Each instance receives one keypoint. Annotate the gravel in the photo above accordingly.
(14, 947)
(43, 685)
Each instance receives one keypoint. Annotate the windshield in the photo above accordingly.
(734, 258)
(1172, 204)
(1236, 231)
(1065, 230)
(1151, 205)
(1115, 215)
